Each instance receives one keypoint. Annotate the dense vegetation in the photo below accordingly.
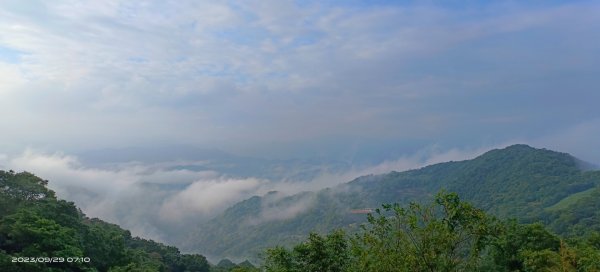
(515, 182)
(36, 226)
(446, 235)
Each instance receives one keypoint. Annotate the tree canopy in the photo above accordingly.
(34, 223)
(445, 235)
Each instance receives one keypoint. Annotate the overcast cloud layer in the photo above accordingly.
(286, 77)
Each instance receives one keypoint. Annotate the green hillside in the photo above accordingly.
(576, 215)
(518, 181)
(39, 232)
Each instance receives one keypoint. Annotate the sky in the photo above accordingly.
(295, 78)
(402, 83)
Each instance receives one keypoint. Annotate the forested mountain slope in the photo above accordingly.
(39, 232)
(517, 181)
(446, 234)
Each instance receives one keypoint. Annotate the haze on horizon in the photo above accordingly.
(291, 79)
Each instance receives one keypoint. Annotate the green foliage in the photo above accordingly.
(226, 265)
(245, 269)
(33, 223)
(32, 235)
(579, 216)
(515, 182)
(566, 202)
(318, 253)
(23, 186)
(140, 260)
(105, 244)
(445, 235)
(581, 253)
(513, 243)
(194, 263)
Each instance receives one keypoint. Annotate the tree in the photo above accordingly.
(446, 235)
(318, 253)
(27, 234)
(33, 223)
(514, 242)
(194, 263)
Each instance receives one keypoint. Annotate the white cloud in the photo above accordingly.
(208, 197)
(152, 199)
(130, 195)
(10, 78)
(272, 209)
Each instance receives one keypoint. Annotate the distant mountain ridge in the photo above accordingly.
(181, 157)
(517, 181)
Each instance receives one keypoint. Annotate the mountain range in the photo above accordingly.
(521, 182)
(518, 181)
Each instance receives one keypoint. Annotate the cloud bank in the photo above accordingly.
(153, 199)
(258, 77)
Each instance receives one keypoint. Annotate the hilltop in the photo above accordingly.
(517, 181)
